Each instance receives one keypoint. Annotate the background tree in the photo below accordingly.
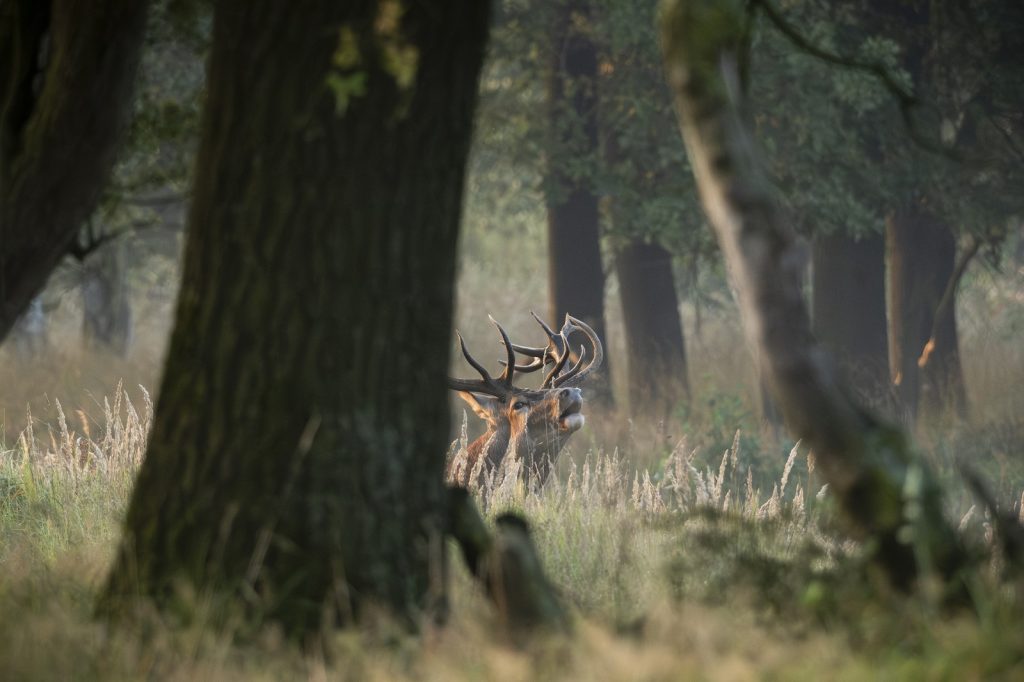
(139, 222)
(575, 270)
(906, 84)
(66, 75)
(960, 60)
(815, 120)
(314, 317)
(848, 309)
(106, 300)
(610, 98)
(135, 230)
(866, 463)
(648, 196)
(650, 315)
(30, 334)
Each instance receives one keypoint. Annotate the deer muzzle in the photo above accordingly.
(570, 402)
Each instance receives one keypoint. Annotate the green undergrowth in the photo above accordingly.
(698, 568)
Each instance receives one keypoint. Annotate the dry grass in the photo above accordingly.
(689, 571)
(685, 550)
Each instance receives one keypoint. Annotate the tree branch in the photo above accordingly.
(94, 242)
(82, 249)
(906, 100)
(158, 200)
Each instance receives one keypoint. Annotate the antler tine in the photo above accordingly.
(550, 332)
(532, 366)
(510, 356)
(472, 361)
(555, 352)
(486, 384)
(577, 377)
(556, 342)
(529, 351)
(559, 381)
(559, 362)
(541, 356)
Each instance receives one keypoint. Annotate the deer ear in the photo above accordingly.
(485, 407)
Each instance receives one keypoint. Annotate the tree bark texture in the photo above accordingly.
(298, 446)
(654, 334)
(848, 311)
(922, 252)
(66, 73)
(888, 496)
(575, 271)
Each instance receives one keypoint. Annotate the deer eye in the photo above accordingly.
(519, 405)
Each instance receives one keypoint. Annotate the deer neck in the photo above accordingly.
(537, 450)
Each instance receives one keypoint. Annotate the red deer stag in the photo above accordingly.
(529, 425)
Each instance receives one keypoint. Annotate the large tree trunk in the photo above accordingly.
(298, 446)
(575, 270)
(848, 311)
(106, 300)
(66, 74)
(888, 497)
(922, 252)
(654, 333)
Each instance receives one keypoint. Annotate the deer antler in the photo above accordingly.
(541, 356)
(488, 385)
(578, 374)
(574, 370)
(557, 353)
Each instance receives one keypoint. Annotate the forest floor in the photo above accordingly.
(703, 565)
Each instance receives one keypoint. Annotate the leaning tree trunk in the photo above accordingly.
(888, 496)
(66, 73)
(297, 452)
(575, 271)
(106, 300)
(922, 252)
(656, 351)
(848, 310)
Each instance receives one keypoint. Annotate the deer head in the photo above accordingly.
(529, 425)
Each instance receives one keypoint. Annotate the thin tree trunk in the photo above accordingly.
(921, 254)
(887, 496)
(30, 335)
(66, 73)
(848, 313)
(575, 271)
(297, 453)
(106, 300)
(656, 351)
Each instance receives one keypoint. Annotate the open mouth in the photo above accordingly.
(570, 419)
(573, 408)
